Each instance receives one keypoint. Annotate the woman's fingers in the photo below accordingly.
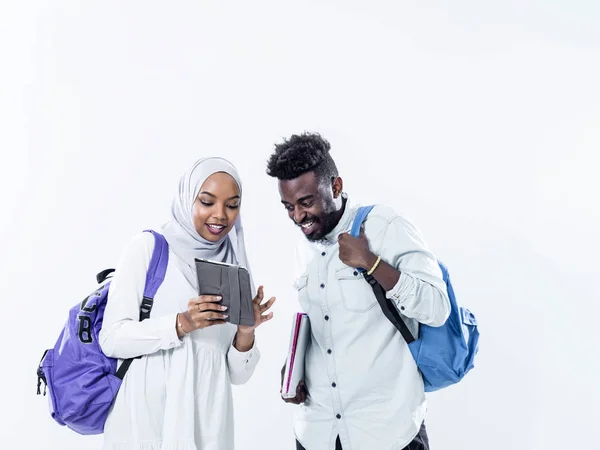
(208, 299)
(260, 294)
(205, 310)
(263, 318)
(200, 307)
(263, 308)
(212, 315)
(208, 318)
(266, 306)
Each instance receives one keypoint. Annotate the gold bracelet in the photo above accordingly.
(374, 266)
(185, 333)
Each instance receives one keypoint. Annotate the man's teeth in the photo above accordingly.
(307, 225)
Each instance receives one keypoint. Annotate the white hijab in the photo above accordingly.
(181, 234)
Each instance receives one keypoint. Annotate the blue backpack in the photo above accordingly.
(81, 380)
(443, 354)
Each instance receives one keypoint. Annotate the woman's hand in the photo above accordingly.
(203, 311)
(244, 338)
(259, 310)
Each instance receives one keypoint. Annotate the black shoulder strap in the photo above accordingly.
(145, 309)
(389, 309)
(154, 278)
(123, 368)
(144, 314)
(102, 276)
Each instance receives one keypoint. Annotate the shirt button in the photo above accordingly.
(333, 384)
(338, 416)
(322, 286)
(326, 317)
(355, 273)
(323, 254)
(329, 351)
(402, 308)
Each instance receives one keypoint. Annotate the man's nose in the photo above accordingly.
(299, 215)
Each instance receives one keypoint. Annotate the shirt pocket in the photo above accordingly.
(301, 285)
(357, 295)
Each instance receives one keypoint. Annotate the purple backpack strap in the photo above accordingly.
(156, 273)
(154, 278)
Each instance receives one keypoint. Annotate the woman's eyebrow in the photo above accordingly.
(214, 196)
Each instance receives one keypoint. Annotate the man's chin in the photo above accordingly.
(315, 236)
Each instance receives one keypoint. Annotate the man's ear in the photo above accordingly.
(337, 186)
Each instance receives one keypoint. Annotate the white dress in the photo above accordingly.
(177, 396)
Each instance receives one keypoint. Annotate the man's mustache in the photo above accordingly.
(307, 220)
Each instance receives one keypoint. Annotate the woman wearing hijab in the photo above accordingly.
(177, 396)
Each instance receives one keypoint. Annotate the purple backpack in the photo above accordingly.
(81, 380)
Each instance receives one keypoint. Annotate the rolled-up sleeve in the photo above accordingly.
(123, 335)
(420, 292)
(242, 364)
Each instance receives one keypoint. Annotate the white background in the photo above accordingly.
(481, 123)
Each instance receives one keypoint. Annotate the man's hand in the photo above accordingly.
(355, 252)
(301, 391)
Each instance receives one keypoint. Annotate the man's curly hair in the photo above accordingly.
(300, 154)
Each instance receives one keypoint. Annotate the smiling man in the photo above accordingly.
(362, 390)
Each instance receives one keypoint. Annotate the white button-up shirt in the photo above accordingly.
(362, 380)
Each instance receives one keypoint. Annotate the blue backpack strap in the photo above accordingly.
(387, 307)
(154, 278)
(361, 216)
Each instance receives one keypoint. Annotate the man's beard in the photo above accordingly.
(328, 220)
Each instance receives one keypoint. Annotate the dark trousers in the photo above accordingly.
(420, 442)
(338, 445)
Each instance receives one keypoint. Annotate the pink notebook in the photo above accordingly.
(294, 367)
